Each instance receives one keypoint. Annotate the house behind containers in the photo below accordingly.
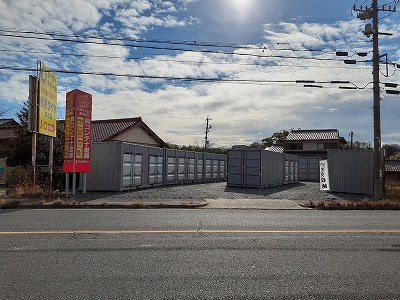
(310, 146)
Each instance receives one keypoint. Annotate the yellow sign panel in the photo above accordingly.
(47, 101)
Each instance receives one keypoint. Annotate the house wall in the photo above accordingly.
(7, 145)
(138, 135)
(309, 146)
(313, 145)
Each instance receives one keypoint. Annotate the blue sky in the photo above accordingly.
(173, 63)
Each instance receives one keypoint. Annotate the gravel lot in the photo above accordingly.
(300, 192)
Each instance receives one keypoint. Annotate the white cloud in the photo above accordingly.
(176, 110)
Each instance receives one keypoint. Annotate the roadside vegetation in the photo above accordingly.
(391, 200)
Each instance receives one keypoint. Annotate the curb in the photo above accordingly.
(104, 206)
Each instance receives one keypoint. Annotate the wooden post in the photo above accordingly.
(51, 146)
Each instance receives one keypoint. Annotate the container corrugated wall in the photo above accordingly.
(309, 168)
(261, 168)
(108, 158)
(351, 171)
(118, 166)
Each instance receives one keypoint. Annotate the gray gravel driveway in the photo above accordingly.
(300, 192)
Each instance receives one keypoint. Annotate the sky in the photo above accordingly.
(238, 62)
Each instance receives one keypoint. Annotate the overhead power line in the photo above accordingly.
(167, 48)
(140, 76)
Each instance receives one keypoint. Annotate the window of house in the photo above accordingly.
(296, 146)
(324, 146)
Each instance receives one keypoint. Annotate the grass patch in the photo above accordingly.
(392, 191)
(61, 202)
(29, 190)
(363, 204)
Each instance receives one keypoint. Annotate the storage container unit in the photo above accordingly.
(111, 170)
(199, 166)
(208, 166)
(291, 168)
(191, 165)
(260, 168)
(171, 166)
(119, 166)
(156, 166)
(215, 167)
(182, 166)
(222, 167)
(351, 171)
(309, 168)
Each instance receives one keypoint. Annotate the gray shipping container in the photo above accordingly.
(208, 167)
(309, 168)
(261, 168)
(119, 166)
(199, 167)
(351, 171)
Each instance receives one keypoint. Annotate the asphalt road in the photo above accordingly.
(199, 254)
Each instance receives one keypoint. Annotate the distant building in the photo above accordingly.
(312, 143)
(8, 134)
(132, 130)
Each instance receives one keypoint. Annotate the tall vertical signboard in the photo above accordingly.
(324, 176)
(78, 132)
(47, 101)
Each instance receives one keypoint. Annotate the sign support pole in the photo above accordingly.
(66, 184)
(73, 192)
(51, 161)
(84, 183)
(34, 135)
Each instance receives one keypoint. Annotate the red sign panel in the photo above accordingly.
(78, 132)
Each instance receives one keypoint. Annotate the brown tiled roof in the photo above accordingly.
(314, 135)
(106, 130)
(103, 130)
(8, 132)
(8, 122)
(392, 165)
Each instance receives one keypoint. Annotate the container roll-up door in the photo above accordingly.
(222, 170)
(155, 170)
(181, 169)
(286, 171)
(252, 168)
(199, 170)
(171, 169)
(309, 168)
(208, 169)
(191, 168)
(235, 168)
(291, 170)
(132, 172)
(215, 169)
(127, 171)
(137, 170)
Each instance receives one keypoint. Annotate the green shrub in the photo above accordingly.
(392, 190)
(19, 176)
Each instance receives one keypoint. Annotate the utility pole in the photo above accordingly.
(364, 14)
(351, 140)
(208, 127)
